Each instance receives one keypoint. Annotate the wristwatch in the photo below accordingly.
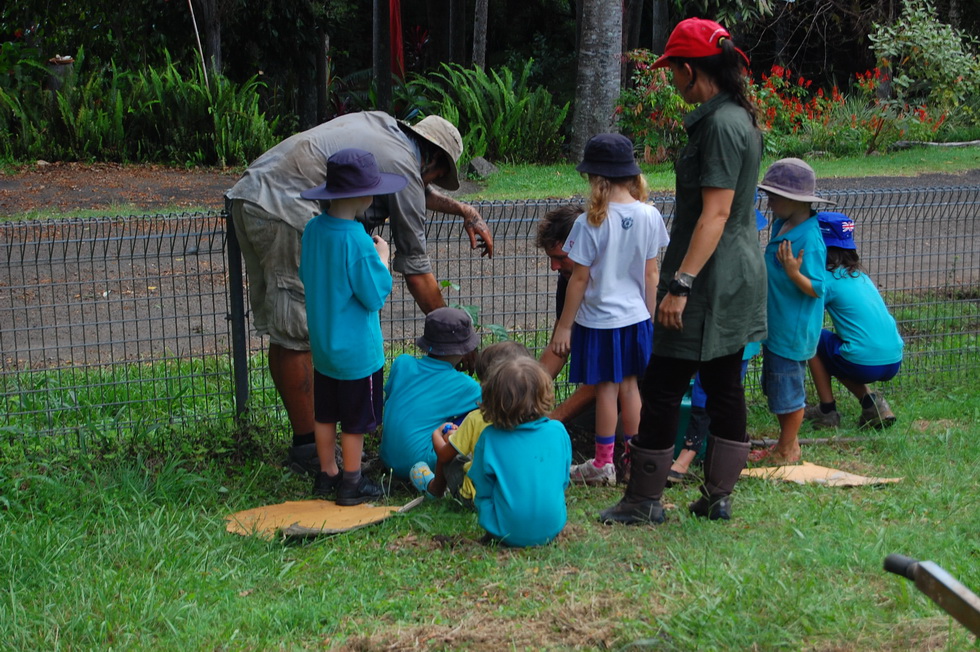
(680, 286)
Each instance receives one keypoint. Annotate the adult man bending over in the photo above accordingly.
(269, 217)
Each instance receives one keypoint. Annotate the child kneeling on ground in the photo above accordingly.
(422, 393)
(866, 346)
(521, 461)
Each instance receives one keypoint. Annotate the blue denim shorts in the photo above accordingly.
(782, 382)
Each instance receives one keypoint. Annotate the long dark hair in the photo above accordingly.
(847, 259)
(726, 69)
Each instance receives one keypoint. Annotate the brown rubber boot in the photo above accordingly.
(648, 477)
(723, 462)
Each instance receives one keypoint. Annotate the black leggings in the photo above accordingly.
(667, 380)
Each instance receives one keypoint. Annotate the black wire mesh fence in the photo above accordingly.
(120, 326)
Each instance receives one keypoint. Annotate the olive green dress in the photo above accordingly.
(727, 306)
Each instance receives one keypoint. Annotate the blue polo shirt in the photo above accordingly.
(420, 395)
(346, 284)
(795, 319)
(520, 477)
(861, 319)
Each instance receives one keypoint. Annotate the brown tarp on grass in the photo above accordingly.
(308, 518)
(807, 473)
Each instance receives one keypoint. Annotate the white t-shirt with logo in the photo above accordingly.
(616, 253)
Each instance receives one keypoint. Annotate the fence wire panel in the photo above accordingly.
(119, 325)
(113, 325)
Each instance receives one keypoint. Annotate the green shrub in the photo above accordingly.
(649, 110)
(931, 63)
(499, 115)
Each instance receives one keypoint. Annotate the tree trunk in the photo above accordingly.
(632, 15)
(322, 77)
(661, 26)
(457, 31)
(597, 83)
(381, 55)
(480, 34)
(437, 13)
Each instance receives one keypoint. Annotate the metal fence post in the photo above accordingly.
(236, 315)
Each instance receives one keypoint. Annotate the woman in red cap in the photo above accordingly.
(712, 290)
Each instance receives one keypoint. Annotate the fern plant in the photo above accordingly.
(498, 114)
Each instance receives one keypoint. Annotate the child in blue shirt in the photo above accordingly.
(346, 280)
(521, 461)
(795, 258)
(866, 346)
(423, 393)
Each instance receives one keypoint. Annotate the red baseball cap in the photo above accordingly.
(695, 38)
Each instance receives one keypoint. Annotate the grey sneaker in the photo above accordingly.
(821, 419)
(877, 416)
(587, 473)
(364, 491)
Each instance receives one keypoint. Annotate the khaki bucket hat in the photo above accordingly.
(441, 133)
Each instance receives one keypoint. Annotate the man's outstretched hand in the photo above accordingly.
(479, 233)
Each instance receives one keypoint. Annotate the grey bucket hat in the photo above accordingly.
(794, 179)
(448, 331)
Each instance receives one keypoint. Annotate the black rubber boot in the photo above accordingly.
(648, 477)
(723, 462)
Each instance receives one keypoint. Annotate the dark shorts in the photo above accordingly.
(355, 404)
(828, 350)
(608, 355)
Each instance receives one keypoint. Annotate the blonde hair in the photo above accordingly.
(516, 391)
(597, 207)
(496, 353)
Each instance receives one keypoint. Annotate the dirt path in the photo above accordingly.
(74, 186)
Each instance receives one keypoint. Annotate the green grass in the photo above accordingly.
(561, 181)
(129, 551)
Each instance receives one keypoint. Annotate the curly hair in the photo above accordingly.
(555, 226)
(516, 391)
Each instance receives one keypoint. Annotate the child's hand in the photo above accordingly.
(381, 247)
(441, 434)
(785, 256)
(561, 342)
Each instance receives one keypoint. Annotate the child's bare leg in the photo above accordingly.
(325, 435)
(351, 447)
(860, 390)
(683, 461)
(821, 379)
(787, 449)
(605, 408)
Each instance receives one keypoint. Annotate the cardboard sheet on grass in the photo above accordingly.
(309, 518)
(807, 473)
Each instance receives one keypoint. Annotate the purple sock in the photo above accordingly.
(604, 450)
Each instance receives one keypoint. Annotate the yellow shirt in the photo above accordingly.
(464, 439)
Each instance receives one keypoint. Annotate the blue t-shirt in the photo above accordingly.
(861, 319)
(420, 395)
(346, 284)
(520, 477)
(795, 319)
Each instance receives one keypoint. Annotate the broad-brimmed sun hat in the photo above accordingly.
(794, 179)
(609, 155)
(695, 38)
(444, 135)
(354, 172)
